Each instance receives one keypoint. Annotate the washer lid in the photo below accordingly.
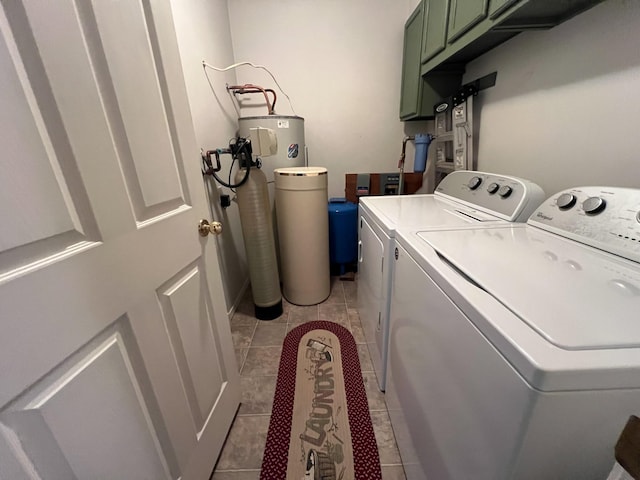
(423, 211)
(574, 296)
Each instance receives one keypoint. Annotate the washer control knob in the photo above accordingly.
(566, 201)
(594, 205)
(638, 217)
(474, 183)
(505, 191)
(493, 188)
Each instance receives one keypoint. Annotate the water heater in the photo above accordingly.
(289, 131)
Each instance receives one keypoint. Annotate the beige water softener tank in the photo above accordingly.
(303, 229)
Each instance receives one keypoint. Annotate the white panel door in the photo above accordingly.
(116, 359)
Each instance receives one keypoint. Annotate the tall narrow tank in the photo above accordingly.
(259, 243)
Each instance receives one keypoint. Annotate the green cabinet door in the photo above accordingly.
(434, 35)
(499, 6)
(411, 80)
(464, 15)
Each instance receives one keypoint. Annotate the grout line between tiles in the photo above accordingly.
(255, 327)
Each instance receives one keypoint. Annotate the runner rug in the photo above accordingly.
(320, 427)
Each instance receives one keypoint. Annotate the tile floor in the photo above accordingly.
(258, 345)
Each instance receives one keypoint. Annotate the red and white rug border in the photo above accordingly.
(366, 460)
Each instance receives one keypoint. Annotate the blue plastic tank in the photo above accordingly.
(343, 234)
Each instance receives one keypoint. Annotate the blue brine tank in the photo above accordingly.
(343, 233)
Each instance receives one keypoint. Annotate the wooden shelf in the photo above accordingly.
(412, 182)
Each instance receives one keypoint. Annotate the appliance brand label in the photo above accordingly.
(543, 216)
(283, 123)
(292, 151)
(442, 107)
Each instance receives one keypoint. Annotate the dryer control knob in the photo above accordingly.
(594, 205)
(566, 201)
(493, 188)
(474, 183)
(505, 191)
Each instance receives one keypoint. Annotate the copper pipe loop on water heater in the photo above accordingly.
(251, 88)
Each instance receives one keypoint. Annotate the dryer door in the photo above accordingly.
(370, 293)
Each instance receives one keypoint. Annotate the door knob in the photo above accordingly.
(205, 228)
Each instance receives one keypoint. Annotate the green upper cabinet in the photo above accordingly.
(434, 35)
(464, 15)
(411, 80)
(499, 6)
(420, 92)
(441, 36)
(473, 27)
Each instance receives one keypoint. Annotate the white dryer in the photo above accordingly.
(515, 351)
(464, 199)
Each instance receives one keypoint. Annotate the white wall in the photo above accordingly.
(565, 109)
(340, 63)
(202, 28)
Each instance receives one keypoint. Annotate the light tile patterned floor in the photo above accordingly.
(258, 346)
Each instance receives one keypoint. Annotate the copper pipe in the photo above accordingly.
(401, 162)
(251, 88)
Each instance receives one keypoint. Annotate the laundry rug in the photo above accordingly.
(320, 426)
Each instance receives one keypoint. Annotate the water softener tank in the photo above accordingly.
(259, 243)
(303, 227)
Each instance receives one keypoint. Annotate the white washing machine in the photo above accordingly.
(515, 351)
(464, 199)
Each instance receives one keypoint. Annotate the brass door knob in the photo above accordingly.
(205, 228)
